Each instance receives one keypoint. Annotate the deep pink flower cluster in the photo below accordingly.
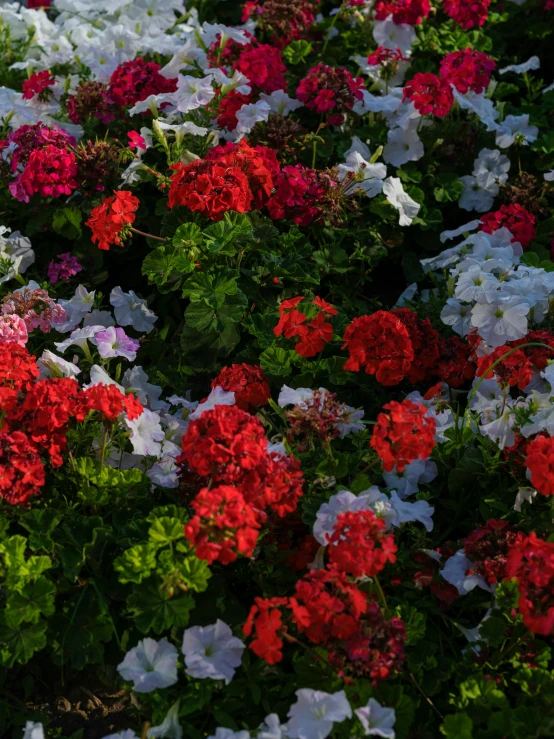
(134, 81)
(330, 90)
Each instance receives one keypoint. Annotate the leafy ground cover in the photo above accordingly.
(276, 369)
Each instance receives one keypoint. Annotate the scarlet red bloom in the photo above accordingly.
(467, 70)
(411, 12)
(454, 365)
(327, 606)
(359, 545)
(109, 401)
(519, 222)
(135, 80)
(283, 480)
(38, 84)
(229, 107)
(266, 621)
(467, 13)
(325, 89)
(210, 188)
(513, 369)
(248, 383)
(224, 525)
(255, 162)
(263, 65)
(540, 463)
(224, 442)
(45, 415)
(313, 333)
(380, 344)
(403, 435)
(487, 548)
(21, 469)
(429, 94)
(539, 355)
(425, 343)
(531, 563)
(109, 220)
(18, 368)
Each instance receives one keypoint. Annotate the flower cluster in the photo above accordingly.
(430, 94)
(487, 547)
(283, 20)
(403, 435)
(531, 563)
(135, 80)
(467, 13)
(247, 382)
(359, 545)
(409, 12)
(90, 99)
(110, 221)
(313, 332)
(467, 70)
(330, 90)
(540, 463)
(38, 84)
(519, 222)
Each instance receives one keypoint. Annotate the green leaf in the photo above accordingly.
(155, 611)
(276, 361)
(67, 222)
(33, 600)
(450, 188)
(224, 236)
(165, 267)
(164, 530)
(204, 317)
(211, 287)
(40, 523)
(203, 348)
(195, 573)
(136, 563)
(297, 51)
(457, 726)
(187, 236)
(19, 643)
(414, 621)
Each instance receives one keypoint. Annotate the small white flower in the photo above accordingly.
(403, 146)
(218, 396)
(533, 63)
(457, 315)
(50, 365)
(407, 482)
(516, 126)
(392, 36)
(466, 228)
(549, 176)
(394, 192)
(479, 192)
(454, 572)
(79, 338)
(130, 310)
(33, 730)
(271, 728)
(280, 103)
(502, 321)
(151, 664)
(250, 114)
(315, 712)
(136, 379)
(212, 651)
(524, 494)
(368, 178)
(377, 720)
(170, 727)
(493, 162)
(146, 433)
(406, 512)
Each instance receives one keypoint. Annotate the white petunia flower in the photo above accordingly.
(315, 712)
(479, 192)
(492, 162)
(151, 664)
(466, 228)
(212, 652)
(403, 146)
(455, 572)
(399, 199)
(377, 720)
(406, 512)
(146, 433)
(250, 114)
(218, 396)
(524, 494)
(407, 482)
(501, 321)
(33, 730)
(280, 103)
(79, 338)
(516, 126)
(457, 315)
(271, 728)
(367, 178)
(170, 728)
(130, 310)
(392, 36)
(533, 63)
(50, 365)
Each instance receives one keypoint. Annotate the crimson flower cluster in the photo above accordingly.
(135, 80)
(90, 99)
(487, 548)
(540, 463)
(38, 84)
(519, 222)
(262, 64)
(531, 563)
(467, 13)
(410, 12)
(110, 221)
(330, 90)
(467, 70)
(404, 434)
(455, 365)
(248, 382)
(229, 106)
(313, 333)
(283, 20)
(304, 196)
(430, 94)
(228, 446)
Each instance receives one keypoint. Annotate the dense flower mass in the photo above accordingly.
(403, 435)
(299, 427)
(379, 344)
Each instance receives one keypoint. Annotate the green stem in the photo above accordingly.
(148, 236)
(380, 591)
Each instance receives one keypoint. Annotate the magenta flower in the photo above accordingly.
(114, 342)
(67, 266)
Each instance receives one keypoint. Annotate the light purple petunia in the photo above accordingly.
(114, 342)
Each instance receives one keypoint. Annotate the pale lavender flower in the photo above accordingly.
(114, 342)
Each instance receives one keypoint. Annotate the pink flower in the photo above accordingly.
(13, 328)
(136, 141)
(66, 267)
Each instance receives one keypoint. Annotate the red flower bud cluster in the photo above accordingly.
(330, 90)
(305, 195)
(313, 333)
(455, 366)
(404, 434)
(109, 221)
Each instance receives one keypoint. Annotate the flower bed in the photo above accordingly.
(276, 369)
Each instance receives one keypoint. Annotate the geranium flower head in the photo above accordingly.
(404, 434)
(109, 220)
(429, 94)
